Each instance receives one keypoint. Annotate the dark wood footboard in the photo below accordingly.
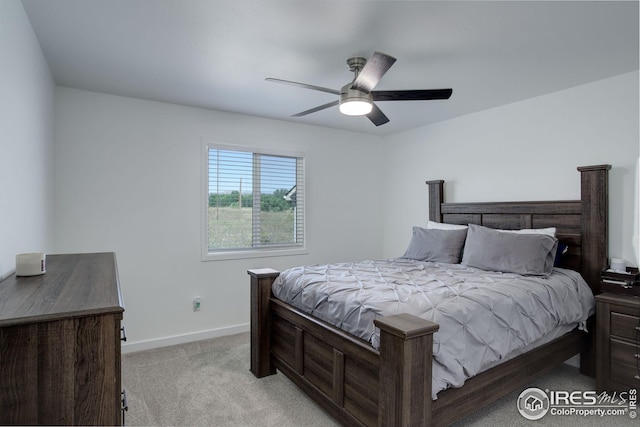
(355, 383)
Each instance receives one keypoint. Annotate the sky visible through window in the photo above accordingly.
(233, 171)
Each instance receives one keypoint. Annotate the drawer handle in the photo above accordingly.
(637, 355)
(638, 328)
(123, 334)
(125, 404)
(125, 400)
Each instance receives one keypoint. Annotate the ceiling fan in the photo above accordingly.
(357, 97)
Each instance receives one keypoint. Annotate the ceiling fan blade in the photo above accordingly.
(377, 117)
(321, 107)
(411, 95)
(373, 70)
(304, 85)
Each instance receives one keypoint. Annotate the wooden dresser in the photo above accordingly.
(60, 343)
(617, 329)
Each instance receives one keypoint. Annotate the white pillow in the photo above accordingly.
(432, 225)
(550, 231)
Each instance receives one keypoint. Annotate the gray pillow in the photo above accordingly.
(526, 254)
(436, 245)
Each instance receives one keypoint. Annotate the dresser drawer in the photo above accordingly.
(624, 374)
(624, 353)
(624, 325)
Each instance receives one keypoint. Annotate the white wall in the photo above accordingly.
(524, 151)
(26, 139)
(128, 180)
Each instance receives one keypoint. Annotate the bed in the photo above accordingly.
(391, 385)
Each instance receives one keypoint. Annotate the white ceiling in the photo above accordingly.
(216, 53)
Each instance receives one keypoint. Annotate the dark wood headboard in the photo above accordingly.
(581, 224)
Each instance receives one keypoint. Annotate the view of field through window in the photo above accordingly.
(253, 200)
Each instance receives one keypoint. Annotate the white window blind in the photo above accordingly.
(255, 200)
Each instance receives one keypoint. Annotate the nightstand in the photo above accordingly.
(617, 331)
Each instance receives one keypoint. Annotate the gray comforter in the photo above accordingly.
(484, 316)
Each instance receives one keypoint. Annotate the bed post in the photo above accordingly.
(594, 196)
(436, 198)
(406, 351)
(261, 281)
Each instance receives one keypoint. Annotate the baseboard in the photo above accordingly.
(182, 339)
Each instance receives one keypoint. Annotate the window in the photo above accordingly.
(254, 202)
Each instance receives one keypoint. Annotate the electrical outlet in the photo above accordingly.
(196, 304)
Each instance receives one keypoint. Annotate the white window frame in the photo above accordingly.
(249, 252)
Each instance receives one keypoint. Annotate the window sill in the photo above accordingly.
(256, 253)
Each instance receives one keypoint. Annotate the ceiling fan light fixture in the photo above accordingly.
(356, 107)
(354, 102)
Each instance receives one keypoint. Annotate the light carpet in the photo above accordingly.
(208, 383)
